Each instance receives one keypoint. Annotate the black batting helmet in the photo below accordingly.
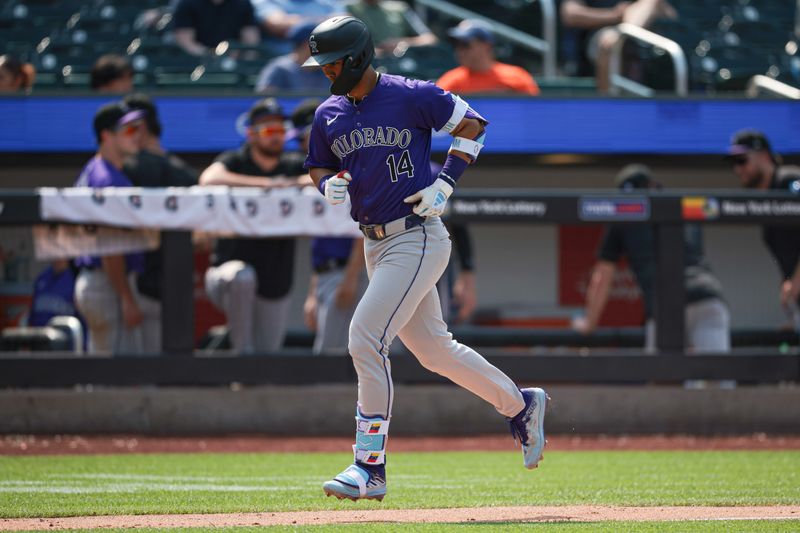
(346, 38)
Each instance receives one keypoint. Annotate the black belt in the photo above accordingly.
(330, 264)
(378, 232)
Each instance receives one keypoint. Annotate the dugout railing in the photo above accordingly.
(180, 364)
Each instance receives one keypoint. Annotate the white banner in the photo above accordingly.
(222, 210)
(64, 241)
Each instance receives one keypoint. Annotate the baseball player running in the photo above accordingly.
(372, 140)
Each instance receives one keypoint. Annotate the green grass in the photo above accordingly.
(209, 483)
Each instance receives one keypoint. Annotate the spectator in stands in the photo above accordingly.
(758, 167)
(479, 71)
(153, 166)
(393, 24)
(339, 276)
(105, 291)
(594, 20)
(200, 25)
(278, 17)
(15, 76)
(707, 317)
(283, 73)
(111, 73)
(251, 278)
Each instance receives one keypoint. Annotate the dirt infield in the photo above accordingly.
(75, 444)
(589, 513)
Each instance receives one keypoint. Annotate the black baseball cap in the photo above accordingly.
(266, 107)
(115, 115)
(303, 117)
(746, 141)
(635, 176)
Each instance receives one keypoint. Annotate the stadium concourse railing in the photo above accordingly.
(667, 212)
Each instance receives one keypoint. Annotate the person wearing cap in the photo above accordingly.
(105, 289)
(758, 167)
(339, 275)
(394, 25)
(706, 314)
(283, 73)
(200, 25)
(479, 71)
(250, 278)
(153, 166)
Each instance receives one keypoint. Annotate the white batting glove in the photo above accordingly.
(432, 198)
(336, 187)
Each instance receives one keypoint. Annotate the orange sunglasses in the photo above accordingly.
(268, 130)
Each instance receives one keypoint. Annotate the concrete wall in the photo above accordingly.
(435, 410)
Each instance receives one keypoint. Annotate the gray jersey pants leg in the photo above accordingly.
(333, 321)
(101, 307)
(255, 324)
(708, 328)
(401, 298)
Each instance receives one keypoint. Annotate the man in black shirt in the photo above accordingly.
(153, 166)
(758, 167)
(707, 317)
(251, 278)
(200, 25)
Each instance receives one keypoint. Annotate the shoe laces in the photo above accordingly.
(519, 428)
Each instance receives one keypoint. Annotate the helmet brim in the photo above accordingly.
(322, 59)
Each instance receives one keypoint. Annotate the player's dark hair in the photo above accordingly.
(18, 70)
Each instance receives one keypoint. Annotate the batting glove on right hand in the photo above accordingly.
(432, 199)
(336, 187)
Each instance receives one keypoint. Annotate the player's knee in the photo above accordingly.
(244, 279)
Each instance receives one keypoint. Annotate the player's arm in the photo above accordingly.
(468, 135)
(218, 174)
(596, 296)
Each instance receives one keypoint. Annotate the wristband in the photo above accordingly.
(322, 182)
(452, 170)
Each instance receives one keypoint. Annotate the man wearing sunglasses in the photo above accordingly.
(251, 278)
(105, 290)
(758, 167)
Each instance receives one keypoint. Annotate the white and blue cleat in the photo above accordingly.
(358, 482)
(528, 426)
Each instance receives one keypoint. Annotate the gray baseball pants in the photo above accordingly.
(708, 328)
(402, 300)
(256, 325)
(333, 321)
(100, 305)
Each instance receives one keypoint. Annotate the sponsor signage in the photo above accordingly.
(501, 207)
(611, 208)
(699, 208)
(710, 208)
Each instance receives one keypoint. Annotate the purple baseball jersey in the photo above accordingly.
(100, 173)
(384, 142)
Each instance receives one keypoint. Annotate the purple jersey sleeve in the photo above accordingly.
(435, 106)
(320, 154)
